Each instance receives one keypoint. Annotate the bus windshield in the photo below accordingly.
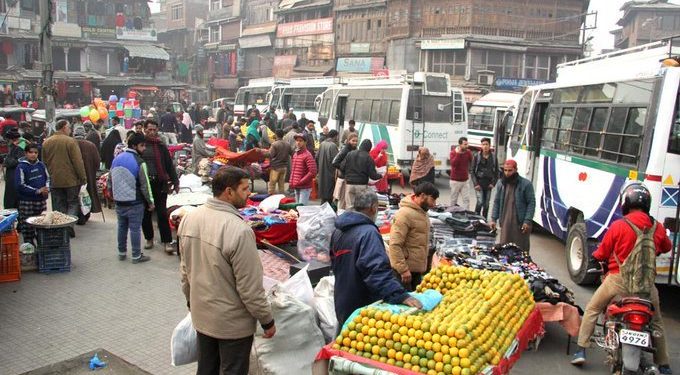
(674, 139)
(257, 95)
(481, 117)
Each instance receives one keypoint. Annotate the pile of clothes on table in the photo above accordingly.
(273, 218)
(508, 257)
(455, 221)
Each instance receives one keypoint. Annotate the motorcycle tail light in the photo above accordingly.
(634, 318)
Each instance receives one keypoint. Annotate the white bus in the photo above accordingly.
(408, 112)
(300, 94)
(486, 115)
(257, 92)
(607, 121)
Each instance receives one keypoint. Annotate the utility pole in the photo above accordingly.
(46, 59)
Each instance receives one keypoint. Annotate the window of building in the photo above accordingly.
(177, 12)
(504, 64)
(537, 67)
(452, 62)
(214, 34)
(215, 4)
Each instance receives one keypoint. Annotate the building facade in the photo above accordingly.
(224, 60)
(257, 38)
(98, 48)
(304, 43)
(645, 22)
(360, 29)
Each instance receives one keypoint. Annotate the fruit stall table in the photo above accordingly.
(532, 330)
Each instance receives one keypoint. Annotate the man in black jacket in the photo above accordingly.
(169, 125)
(163, 178)
(357, 168)
(484, 175)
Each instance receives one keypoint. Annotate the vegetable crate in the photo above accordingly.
(54, 259)
(10, 261)
(53, 237)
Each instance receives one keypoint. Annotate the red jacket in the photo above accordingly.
(302, 170)
(460, 165)
(620, 238)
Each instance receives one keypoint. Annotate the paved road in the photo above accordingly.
(131, 310)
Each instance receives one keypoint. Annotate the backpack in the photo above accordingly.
(638, 271)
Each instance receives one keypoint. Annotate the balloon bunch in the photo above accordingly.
(115, 107)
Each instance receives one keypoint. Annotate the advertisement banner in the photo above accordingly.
(442, 44)
(310, 27)
(133, 34)
(359, 47)
(509, 83)
(283, 65)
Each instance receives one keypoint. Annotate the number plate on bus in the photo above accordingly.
(636, 338)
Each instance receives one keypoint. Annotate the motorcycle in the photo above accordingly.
(627, 334)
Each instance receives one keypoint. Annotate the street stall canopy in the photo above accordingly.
(148, 52)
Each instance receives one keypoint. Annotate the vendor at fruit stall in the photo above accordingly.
(360, 263)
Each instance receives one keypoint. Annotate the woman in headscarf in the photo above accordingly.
(187, 125)
(252, 135)
(379, 156)
(423, 168)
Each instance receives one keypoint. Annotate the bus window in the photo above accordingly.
(630, 147)
(595, 131)
(375, 111)
(384, 116)
(639, 91)
(564, 132)
(521, 119)
(578, 131)
(362, 111)
(603, 93)
(612, 139)
(481, 118)
(550, 127)
(394, 113)
(674, 138)
(414, 109)
(351, 114)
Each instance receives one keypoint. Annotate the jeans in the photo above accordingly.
(277, 177)
(130, 218)
(483, 198)
(613, 286)
(172, 138)
(460, 188)
(223, 356)
(160, 198)
(302, 196)
(65, 200)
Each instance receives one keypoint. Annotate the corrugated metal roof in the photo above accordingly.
(147, 52)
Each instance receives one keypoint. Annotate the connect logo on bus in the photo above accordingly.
(418, 134)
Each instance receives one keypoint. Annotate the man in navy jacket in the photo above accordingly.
(362, 270)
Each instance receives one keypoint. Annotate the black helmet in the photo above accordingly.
(637, 196)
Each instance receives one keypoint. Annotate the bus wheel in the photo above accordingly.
(578, 255)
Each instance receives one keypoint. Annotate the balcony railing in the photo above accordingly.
(222, 13)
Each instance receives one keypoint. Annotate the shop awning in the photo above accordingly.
(498, 47)
(306, 70)
(148, 52)
(255, 41)
(264, 28)
(144, 88)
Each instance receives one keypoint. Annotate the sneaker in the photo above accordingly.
(170, 248)
(141, 259)
(122, 256)
(148, 244)
(579, 357)
(665, 370)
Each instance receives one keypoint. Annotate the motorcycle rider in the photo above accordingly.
(619, 241)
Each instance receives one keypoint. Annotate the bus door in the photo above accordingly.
(501, 133)
(538, 118)
(340, 109)
(415, 110)
(285, 100)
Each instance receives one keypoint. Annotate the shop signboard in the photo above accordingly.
(311, 27)
(359, 64)
(360, 48)
(442, 44)
(147, 34)
(510, 83)
(283, 65)
(99, 32)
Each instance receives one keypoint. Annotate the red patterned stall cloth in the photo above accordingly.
(278, 234)
(531, 330)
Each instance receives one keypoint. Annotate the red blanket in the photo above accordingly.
(532, 329)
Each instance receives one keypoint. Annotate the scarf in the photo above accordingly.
(155, 144)
(186, 120)
(422, 165)
(252, 130)
(377, 154)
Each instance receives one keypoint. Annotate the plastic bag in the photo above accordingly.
(296, 343)
(271, 203)
(183, 344)
(85, 200)
(325, 307)
(381, 171)
(300, 286)
(315, 228)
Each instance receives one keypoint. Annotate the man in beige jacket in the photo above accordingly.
(222, 277)
(410, 235)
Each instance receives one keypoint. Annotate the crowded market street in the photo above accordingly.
(131, 311)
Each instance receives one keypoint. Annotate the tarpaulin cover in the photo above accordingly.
(531, 330)
(278, 234)
(219, 142)
(239, 159)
